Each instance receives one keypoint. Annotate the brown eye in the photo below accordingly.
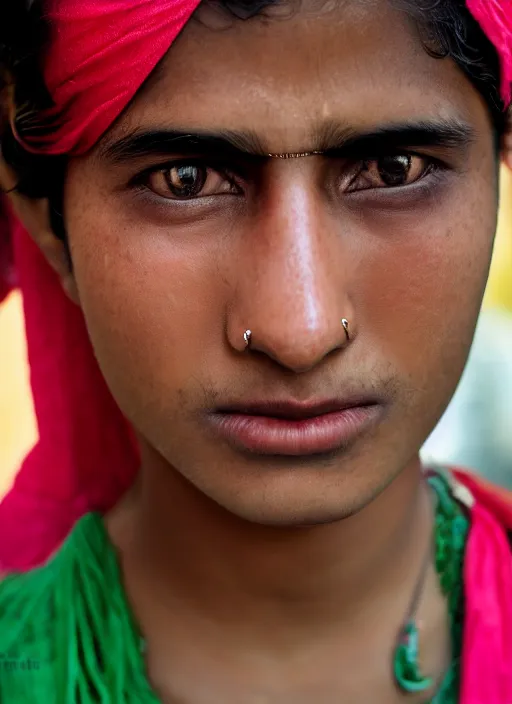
(394, 170)
(187, 181)
(391, 171)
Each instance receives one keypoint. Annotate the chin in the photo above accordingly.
(294, 517)
(297, 499)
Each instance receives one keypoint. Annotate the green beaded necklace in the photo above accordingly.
(451, 528)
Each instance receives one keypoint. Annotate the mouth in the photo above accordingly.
(295, 429)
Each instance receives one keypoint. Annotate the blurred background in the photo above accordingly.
(475, 432)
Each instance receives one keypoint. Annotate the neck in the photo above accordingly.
(189, 554)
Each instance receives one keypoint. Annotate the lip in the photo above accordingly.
(295, 429)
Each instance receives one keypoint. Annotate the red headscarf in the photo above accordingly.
(495, 18)
(100, 54)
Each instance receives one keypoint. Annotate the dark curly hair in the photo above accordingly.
(446, 28)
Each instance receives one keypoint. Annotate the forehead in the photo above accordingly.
(284, 74)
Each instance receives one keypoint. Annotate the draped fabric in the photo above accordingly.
(100, 53)
(487, 638)
(495, 18)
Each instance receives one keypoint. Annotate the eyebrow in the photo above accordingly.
(331, 140)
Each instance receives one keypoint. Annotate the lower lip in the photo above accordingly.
(265, 435)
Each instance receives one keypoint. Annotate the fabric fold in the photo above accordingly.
(487, 637)
(86, 456)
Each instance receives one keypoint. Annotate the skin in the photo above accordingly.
(288, 546)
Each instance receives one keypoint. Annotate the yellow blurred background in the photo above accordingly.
(17, 425)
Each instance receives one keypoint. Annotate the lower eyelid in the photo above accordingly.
(421, 187)
(152, 199)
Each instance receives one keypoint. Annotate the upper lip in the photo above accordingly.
(296, 410)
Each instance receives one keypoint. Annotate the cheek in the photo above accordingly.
(151, 308)
(424, 289)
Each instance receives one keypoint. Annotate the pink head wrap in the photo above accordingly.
(100, 53)
(495, 18)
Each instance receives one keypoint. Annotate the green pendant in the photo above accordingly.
(406, 666)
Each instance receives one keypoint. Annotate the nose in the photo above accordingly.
(292, 285)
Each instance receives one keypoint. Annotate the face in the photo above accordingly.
(180, 245)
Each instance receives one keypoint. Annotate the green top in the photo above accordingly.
(67, 634)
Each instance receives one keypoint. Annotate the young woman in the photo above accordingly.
(258, 239)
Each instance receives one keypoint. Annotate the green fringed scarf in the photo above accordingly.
(67, 635)
(66, 631)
